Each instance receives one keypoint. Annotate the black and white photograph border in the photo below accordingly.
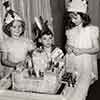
(23, 26)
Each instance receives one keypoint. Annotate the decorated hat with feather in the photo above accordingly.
(10, 14)
(76, 5)
(40, 26)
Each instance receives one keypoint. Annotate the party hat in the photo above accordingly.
(10, 14)
(77, 6)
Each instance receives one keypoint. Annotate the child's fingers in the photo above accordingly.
(71, 47)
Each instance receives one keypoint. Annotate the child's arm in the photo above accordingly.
(91, 51)
(95, 44)
(5, 61)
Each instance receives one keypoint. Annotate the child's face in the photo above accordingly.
(76, 18)
(16, 28)
(47, 40)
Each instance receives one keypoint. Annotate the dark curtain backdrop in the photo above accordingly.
(94, 7)
(57, 8)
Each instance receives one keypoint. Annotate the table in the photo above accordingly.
(15, 95)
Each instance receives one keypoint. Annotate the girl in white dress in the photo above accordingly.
(82, 47)
(15, 47)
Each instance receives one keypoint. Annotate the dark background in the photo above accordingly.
(58, 25)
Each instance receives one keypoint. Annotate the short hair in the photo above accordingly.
(6, 28)
(68, 21)
(42, 33)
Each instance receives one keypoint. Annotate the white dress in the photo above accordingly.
(84, 65)
(17, 50)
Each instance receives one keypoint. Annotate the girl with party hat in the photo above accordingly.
(47, 58)
(82, 47)
(15, 47)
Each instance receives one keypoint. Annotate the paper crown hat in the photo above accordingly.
(77, 6)
(10, 14)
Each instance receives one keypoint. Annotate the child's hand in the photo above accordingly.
(69, 49)
(77, 51)
(20, 66)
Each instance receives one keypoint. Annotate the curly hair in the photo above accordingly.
(68, 20)
(6, 28)
(42, 33)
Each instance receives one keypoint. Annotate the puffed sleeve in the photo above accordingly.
(94, 32)
(3, 46)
